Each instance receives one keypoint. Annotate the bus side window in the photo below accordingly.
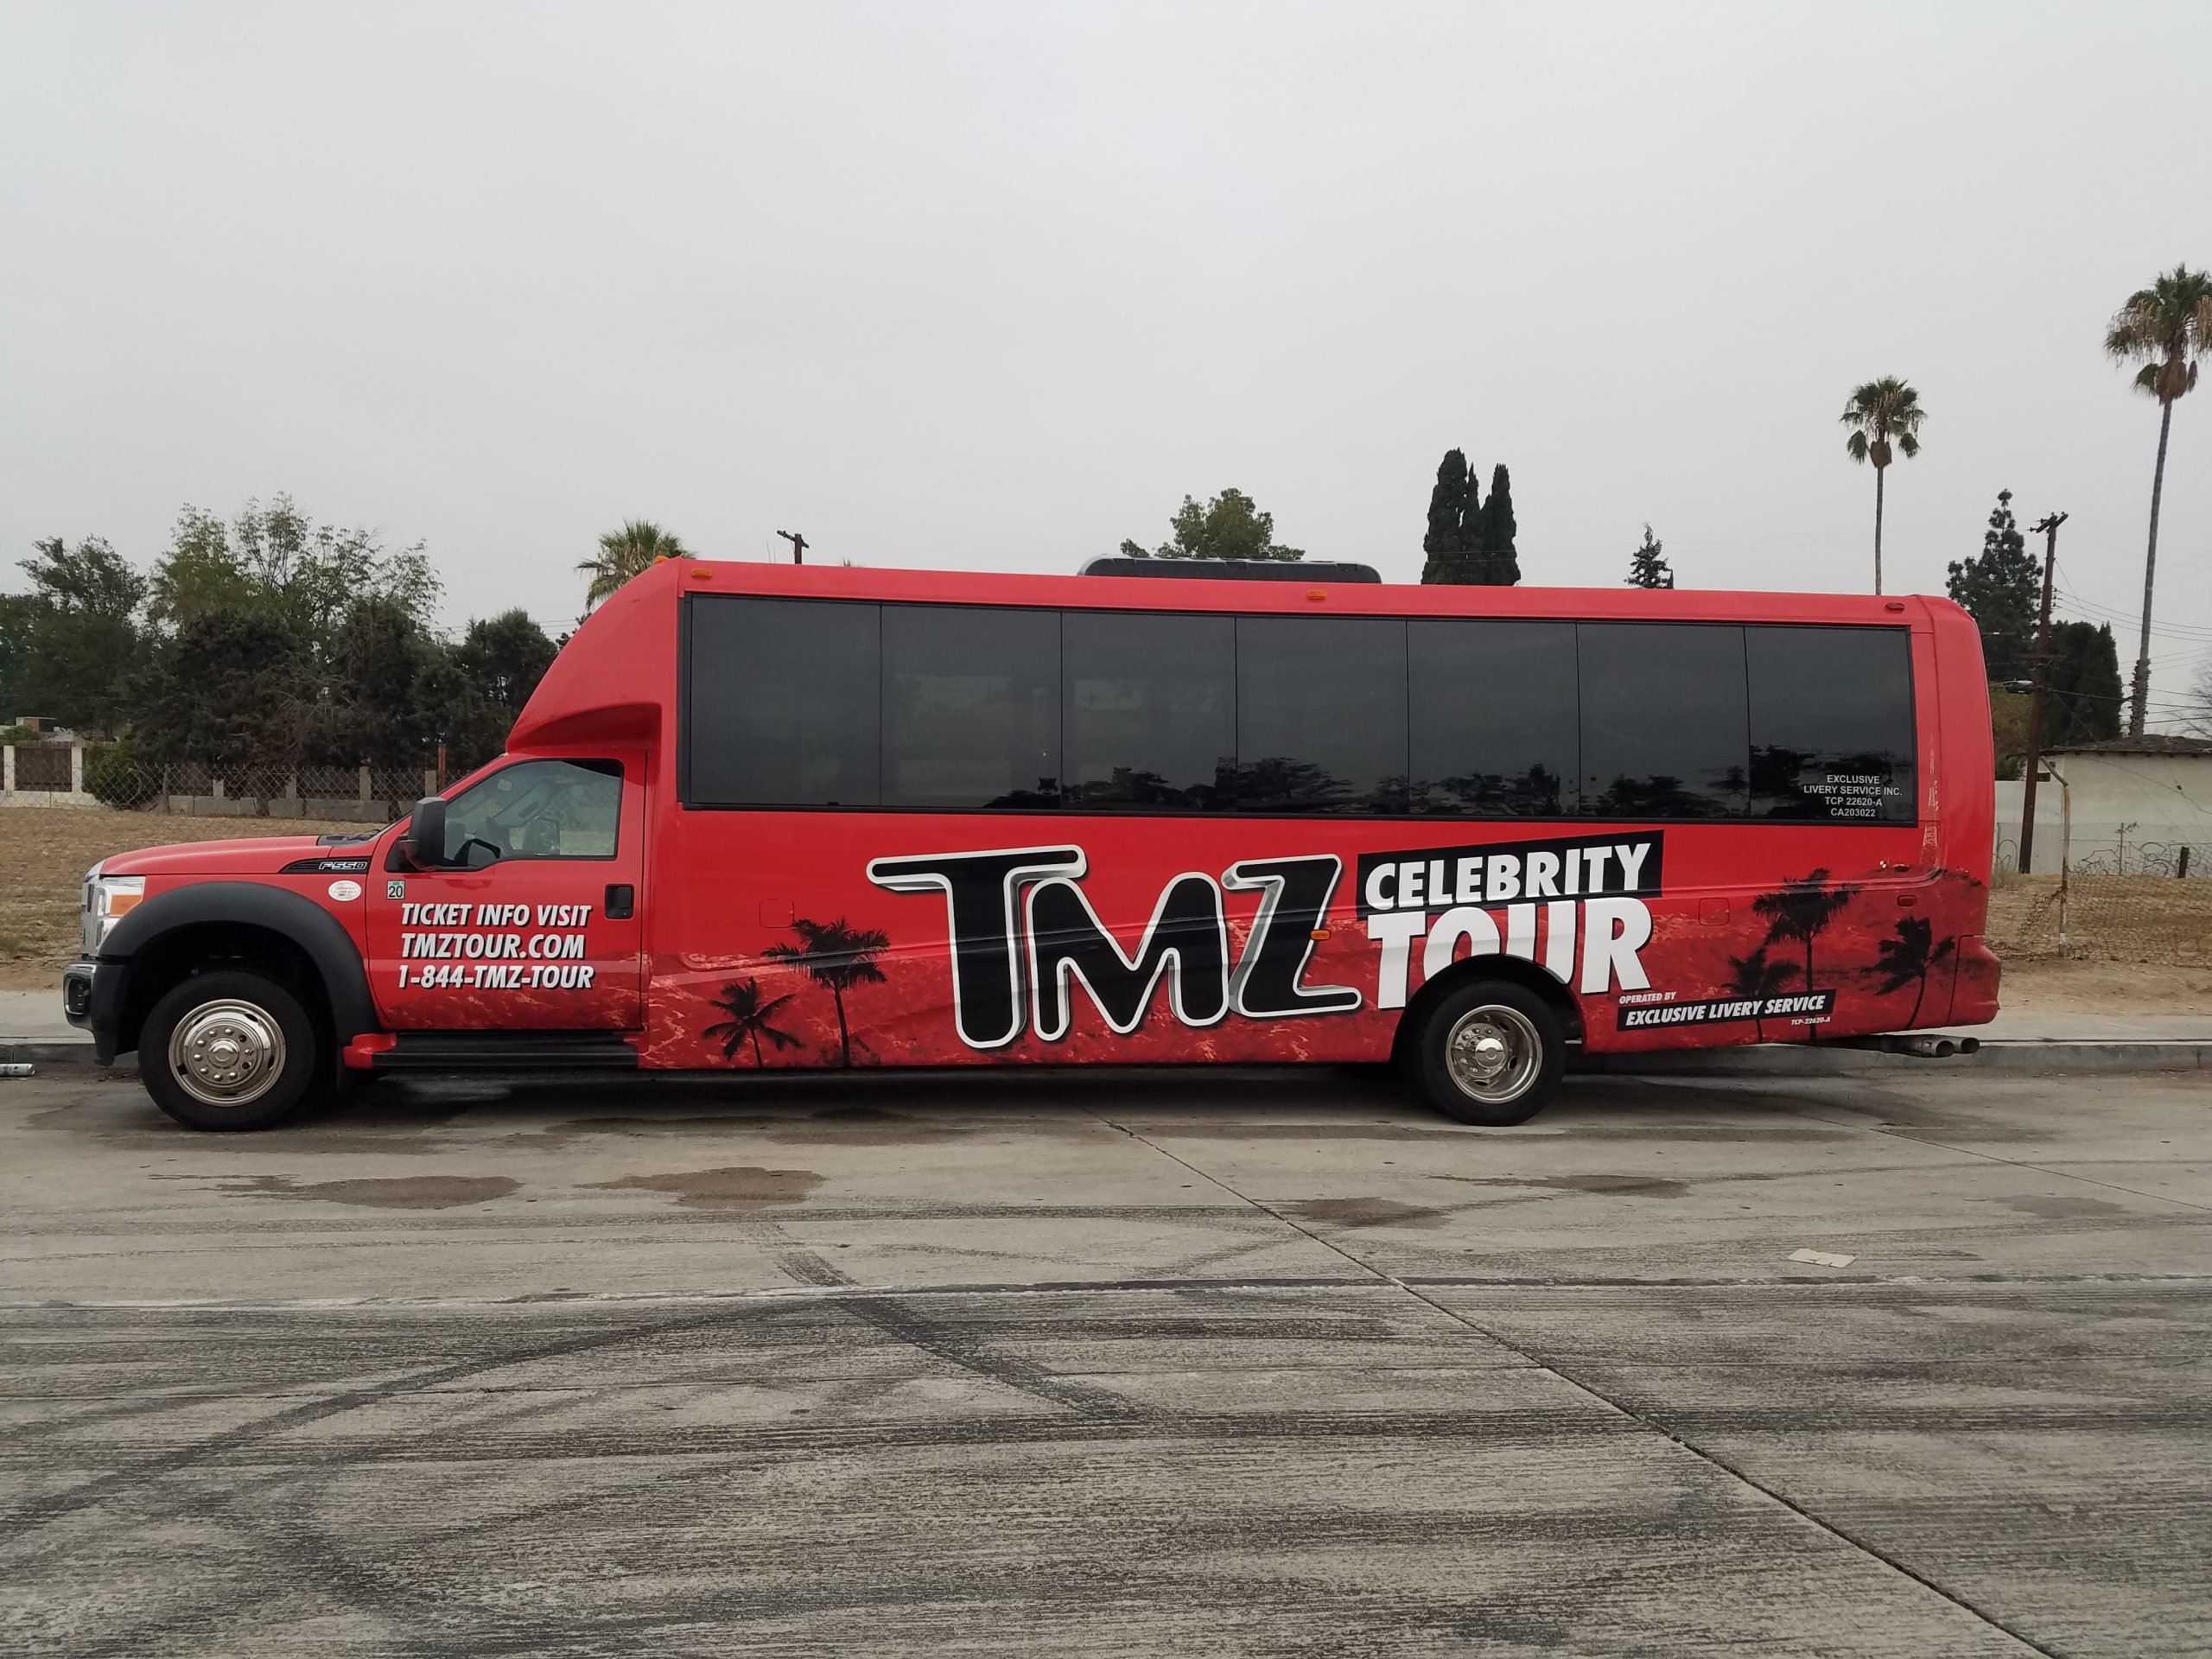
(1665, 728)
(1832, 726)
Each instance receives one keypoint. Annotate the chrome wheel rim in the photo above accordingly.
(226, 1054)
(1493, 1053)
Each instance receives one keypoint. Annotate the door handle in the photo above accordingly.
(621, 901)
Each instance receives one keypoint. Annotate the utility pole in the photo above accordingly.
(2050, 529)
(798, 545)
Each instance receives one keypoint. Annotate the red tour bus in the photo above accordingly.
(760, 817)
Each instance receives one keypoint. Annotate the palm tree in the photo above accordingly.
(1906, 960)
(625, 553)
(748, 1020)
(832, 954)
(2165, 328)
(1878, 411)
(1757, 975)
(1802, 911)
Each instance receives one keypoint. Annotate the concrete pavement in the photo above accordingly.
(1219, 1363)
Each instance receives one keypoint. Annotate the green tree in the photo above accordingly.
(277, 560)
(1454, 532)
(2002, 590)
(16, 611)
(1646, 566)
(2081, 694)
(1496, 564)
(1231, 526)
(1480, 552)
(329, 638)
(493, 671)
(504, 657)
(2166, 329)
(225, 687)
(1883, 415)
(79, 633)
(386, 692)
(1449, 502)
(625, 553)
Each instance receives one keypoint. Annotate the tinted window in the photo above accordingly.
(1832, 734)
(1493, 717)
(1150, 717)
(1665, 733)
(1320, 714)
(784, 702)
(536, 809)
(971, 707)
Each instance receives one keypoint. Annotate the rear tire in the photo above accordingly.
(231, 1051)
(1490, 1053)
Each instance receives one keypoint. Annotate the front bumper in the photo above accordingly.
(77, 992)
(91, 997)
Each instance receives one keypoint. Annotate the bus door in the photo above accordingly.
(533, 920)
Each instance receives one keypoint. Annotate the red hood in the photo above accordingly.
(249, 855)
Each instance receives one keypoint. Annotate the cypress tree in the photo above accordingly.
(1470, 523)
(1448, 505)
(1496, 564)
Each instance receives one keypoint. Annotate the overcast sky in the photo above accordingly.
(992, 287)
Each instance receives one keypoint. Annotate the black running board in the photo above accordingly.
(507, 1051)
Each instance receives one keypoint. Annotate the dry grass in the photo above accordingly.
(44, 853)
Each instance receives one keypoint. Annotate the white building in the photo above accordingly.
(2138, 806)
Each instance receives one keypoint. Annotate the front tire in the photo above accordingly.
(1490, 1053)
(230, 1051)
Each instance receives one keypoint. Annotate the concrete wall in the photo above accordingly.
(2132, 815)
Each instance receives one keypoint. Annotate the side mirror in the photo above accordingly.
(426, 835)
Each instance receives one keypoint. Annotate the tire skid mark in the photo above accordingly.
(940, 1340)
(41, 1513)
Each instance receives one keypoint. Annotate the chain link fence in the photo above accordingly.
(2090, 914)
(2187, 860)
(110, 775)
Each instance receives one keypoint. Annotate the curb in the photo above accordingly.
(2002, 1054)
(1772, 1059)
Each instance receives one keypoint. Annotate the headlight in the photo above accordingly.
(108, 898)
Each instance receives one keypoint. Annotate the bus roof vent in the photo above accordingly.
(1114, 564)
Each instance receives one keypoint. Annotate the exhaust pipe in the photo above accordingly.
(1922, 1048)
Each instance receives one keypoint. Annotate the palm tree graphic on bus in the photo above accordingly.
(1756, 977)
(837, 956)
(1799, 911)
(749, 1020)
(1908, 959)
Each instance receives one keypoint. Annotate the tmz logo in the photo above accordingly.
(1575, 905)
(1024, 936)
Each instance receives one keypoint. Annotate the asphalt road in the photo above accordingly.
(1159, 1364)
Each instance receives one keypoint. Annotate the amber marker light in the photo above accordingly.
(1317, 594)
(1319, 935)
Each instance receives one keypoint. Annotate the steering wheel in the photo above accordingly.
(461, 853)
